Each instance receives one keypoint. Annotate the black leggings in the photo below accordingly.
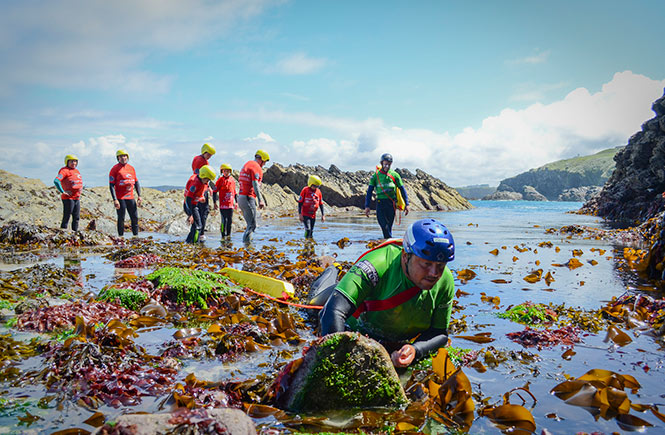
(385, 214)
(309, 226)
(130, 206)
(70, 207)
(195, 210)
(227, 219)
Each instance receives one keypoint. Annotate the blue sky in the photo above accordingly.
(471, 92)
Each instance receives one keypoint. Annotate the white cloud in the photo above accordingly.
(541, 57)
(261, 137)
(504, 145)
(102, 45)
(299, 63)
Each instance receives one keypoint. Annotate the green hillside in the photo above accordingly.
(603, 161)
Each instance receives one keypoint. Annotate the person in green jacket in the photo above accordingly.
(386, 181)
(400, 293)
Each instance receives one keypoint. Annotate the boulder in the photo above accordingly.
(503, 196)
(530, 193)
(190, 421)
(344, 370)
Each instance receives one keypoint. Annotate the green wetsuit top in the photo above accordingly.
(378, 276)
(385, 187)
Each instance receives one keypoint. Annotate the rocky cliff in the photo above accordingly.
(31, 201)
(347, 189)
(633, 192)
(576, 179)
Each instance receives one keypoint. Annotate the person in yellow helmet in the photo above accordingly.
(195, 190)
(250, 179)
(228, 199)
(122, 182)
(309, 201)
(207, 151)
(69, 183)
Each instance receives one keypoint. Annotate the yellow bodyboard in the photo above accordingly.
(260, 283)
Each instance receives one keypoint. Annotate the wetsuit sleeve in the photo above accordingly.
(321, 206)
(137, 186)
(429, 341)
(58, 185)
(299, 207)
(112, 189)
(259, 195)
(368, 195)
(215, 196)
(188, 205)
(335, 312)
(404, 195)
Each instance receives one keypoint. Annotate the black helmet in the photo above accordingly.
(386, 157)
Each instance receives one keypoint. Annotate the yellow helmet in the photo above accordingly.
(206, 171)
(225, 166)
(313, 180)
(121, 153)
(264, 155)
(207, 148)
(69, 157)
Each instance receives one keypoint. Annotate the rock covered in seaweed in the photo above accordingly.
(344, 370)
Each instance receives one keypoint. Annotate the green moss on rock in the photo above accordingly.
(192, 287)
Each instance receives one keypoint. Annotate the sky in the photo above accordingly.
(470, 92)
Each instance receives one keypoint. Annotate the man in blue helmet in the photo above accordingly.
(399, 293)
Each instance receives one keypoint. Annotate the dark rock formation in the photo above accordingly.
(347, 189)
(344, 370)
(552, 180)
(633, 192)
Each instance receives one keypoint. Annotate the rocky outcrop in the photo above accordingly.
(343, 370)
(504, 196)
(579, 194)
(347, 189)
(633, 192)
(549, 182)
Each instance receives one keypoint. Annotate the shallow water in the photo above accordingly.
(490, 225)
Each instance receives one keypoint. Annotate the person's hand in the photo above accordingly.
(367, 211)
(139, 201)
(406, 210)
(190, 219)
(302, 219)
(68, 192)
(116, 203)
(323, 218)
(214, 210)
(404, 356)
(261, 205)
(663, 195)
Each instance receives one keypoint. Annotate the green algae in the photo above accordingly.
(127, 297)
(347, 380)
(529, 314)
(192, 287)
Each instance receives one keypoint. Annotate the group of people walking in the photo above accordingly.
(399, 293)
(204, 183)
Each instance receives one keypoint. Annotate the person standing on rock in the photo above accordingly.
(228, 199)
(250, 178)
(122, 182)
(309, 201)
(399, 293)
(199, 161)
(69, 183)
(194, 204)
(386, 181)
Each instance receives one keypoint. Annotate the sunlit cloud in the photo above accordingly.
(538, 58)
(298, 64)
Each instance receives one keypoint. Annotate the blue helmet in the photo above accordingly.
(429, 239)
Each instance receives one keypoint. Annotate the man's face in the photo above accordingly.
(385, 165)
(71, 164)
(423, 273)
(123, 159)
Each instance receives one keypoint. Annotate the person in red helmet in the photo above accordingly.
(122, 183)
(69, 183)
